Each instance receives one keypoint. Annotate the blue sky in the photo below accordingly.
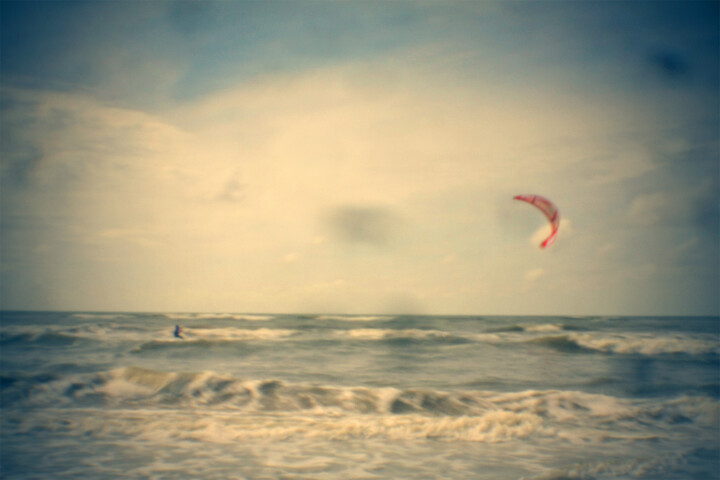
(360, 157)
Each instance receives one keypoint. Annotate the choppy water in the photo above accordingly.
(104, 396)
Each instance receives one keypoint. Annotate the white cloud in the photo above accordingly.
(449, 259)
(607, 249)
(329, 286)
(676, 207)
(532, 275)
(138, 236)
(649, 209)
(291, 257)
(318, 240)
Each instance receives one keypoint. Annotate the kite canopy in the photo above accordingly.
(548, 209)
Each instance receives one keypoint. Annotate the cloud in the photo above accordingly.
(318, 240)
(367, 158)
(533, 275)
(141, 237)
(291, 257)
(329, 286)
(190, 17)
(351, 145)
(653, 208)
(376, 226)
(670, 64)
(232, 191)
(696, 206)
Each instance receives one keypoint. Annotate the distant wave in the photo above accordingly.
(51, 335)
(360, 412)
(554, 336)
(58, 335)
(217, 316)
(200, 337)
(534, 328)
(412, 335)
(101, 316)
(636, 343)
(238, 334)
(561, 343)
(356, 318)
(44, 336)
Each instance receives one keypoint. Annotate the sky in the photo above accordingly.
(328, 156)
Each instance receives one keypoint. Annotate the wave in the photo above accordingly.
(142, 386)
(78, 331)
(553, 336)
(59, 335)
(413, 336)
(565, 341)
(357, 318)
(534, 328)
(45, 337)
(217, 316)
(217, 408)
(491, 427)
(237, 334)
(110, 332)
(636, 343)
(100, 316)
(204, 337)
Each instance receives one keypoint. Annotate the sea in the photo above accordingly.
(338, 397)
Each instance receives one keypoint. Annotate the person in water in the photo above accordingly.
(178, 332)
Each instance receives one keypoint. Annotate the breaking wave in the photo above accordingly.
(356, 318)
(637, 344)
(100, 316)
(217, 316)
(534, 328)
(366, 411)
(412, 335)
(237, 334)
(554, 336)
(54, 335)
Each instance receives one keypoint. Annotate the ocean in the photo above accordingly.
(339, 397)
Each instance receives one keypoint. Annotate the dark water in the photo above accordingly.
(350, 397)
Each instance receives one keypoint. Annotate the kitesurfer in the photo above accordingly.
(178, 332)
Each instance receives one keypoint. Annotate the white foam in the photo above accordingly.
(128, 388)
(179, 316)
(275, 410)
(217, 427)
(99, 316)
(219, 409)
(564, 405)
(242, 317)
(548, 327)
(357, 318)
(237, 334)
(645, 343)
(254, 318)
(376, 334)
(386, 333)
(217, 316)
(31, 331)
(99, 332)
